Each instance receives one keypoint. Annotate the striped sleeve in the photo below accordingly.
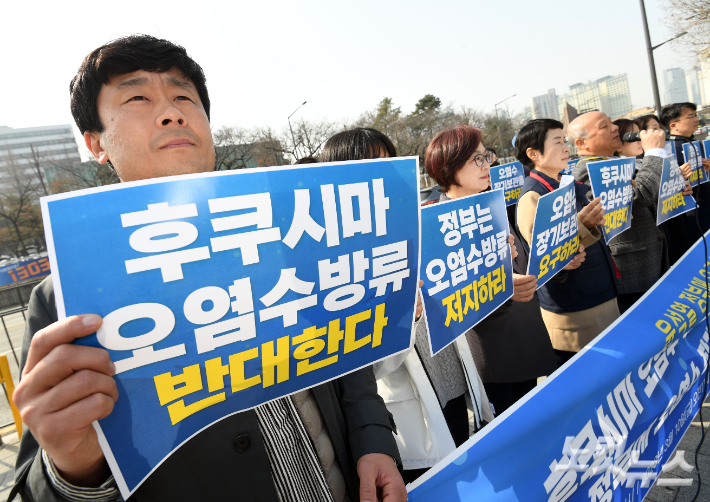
(107, 492)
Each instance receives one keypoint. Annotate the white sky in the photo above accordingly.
(262, 59)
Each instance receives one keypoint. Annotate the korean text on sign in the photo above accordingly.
(225, 290)
(671, 201)
(510, 179)
(693, 155)
(466, 264)
(555, 239)
(611, 180)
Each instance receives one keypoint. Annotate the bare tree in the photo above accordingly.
(37, 161)
(234, 148)
(692, 16)
(69, 176)
(16, 199)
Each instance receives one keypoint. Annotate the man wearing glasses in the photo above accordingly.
(681, 121)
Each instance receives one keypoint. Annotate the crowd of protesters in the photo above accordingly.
(364, 435)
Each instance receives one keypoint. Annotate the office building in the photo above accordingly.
(545, 106)
(676, 87)
(696, 89)
(608, 94)
(29, 152)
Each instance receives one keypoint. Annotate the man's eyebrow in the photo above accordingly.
(132, 82)
(180, 83)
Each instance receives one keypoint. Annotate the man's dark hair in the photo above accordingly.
(126, 55)
(643, 121)
(671, 113)
(532, 135)
(357, 144)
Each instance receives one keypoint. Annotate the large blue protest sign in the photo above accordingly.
(555, 238)
(221, 291)
(671, 201)
(611, 180)
(602, 427)
(510, 179)
(466, 264)
(23, 271)
(692, 154)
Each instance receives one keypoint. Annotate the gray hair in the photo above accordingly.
(576, 130)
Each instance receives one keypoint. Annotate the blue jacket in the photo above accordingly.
(593, 283)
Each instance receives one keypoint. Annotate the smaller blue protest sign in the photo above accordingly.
(611, 180)
(705, 149)
(677, 151)
(467, 263)
(23, 271)
(555, 239)
(691, 152)
(510, 179)
(567, 171)
(671, 201)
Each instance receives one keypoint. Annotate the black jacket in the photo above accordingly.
(593, 283)
(209, 466)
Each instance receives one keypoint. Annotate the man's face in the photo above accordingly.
(686, 124)
(154, 125)
(603, 135)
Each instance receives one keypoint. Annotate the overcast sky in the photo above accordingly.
(262, 59)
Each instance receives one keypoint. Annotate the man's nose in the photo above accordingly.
(171, 115)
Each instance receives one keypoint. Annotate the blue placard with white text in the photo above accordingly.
(611, 180)
(221, 291)
(567, 171)
(692, 154)
(466, 264)
(706, 149)
(510, 179)
(671, 201)
(606, 425)
(555, 238)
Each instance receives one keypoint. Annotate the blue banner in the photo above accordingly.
(677, 151)
(692, 154)
(555, 237)
(611, 180)
(466, 264)
(510, 179)
(706, 148)
(221, 291)
(567, 171)
(24, 271)
(604, 426)
(671, 201)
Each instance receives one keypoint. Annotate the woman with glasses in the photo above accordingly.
(579, 302)
(511, 347)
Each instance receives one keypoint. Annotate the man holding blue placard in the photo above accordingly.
(143, 107)
(638, 252)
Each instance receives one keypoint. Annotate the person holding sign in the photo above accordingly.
(580, 301)
(143, 108)
(510, 347)
(639, 251)
(681, 121)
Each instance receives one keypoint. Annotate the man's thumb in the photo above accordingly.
(368, 489)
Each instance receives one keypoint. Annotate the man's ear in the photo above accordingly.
(580, 143)
(532, 154)
(93, 143)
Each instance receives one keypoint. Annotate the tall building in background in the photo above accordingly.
(694, 81)
(30, 152)
(615, 96)
(608, 94)
(705, 75)
(545, 106)
(676, 88)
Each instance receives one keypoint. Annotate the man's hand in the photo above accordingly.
(652, 139)
(706, 164)
(592, 215)
(577, 260)
(686, 170)
(420, 306)
(513, 250)
(64, 388)
(524, 287)
(380, 480)
(688, 190)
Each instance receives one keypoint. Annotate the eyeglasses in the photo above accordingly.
(692, 116)
(481, 157)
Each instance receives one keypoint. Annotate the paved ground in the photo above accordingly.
(15, 325)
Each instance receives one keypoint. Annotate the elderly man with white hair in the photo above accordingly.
(640, 253)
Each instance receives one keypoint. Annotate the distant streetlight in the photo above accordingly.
(651, 62)
(500, 136)
(289, 125)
